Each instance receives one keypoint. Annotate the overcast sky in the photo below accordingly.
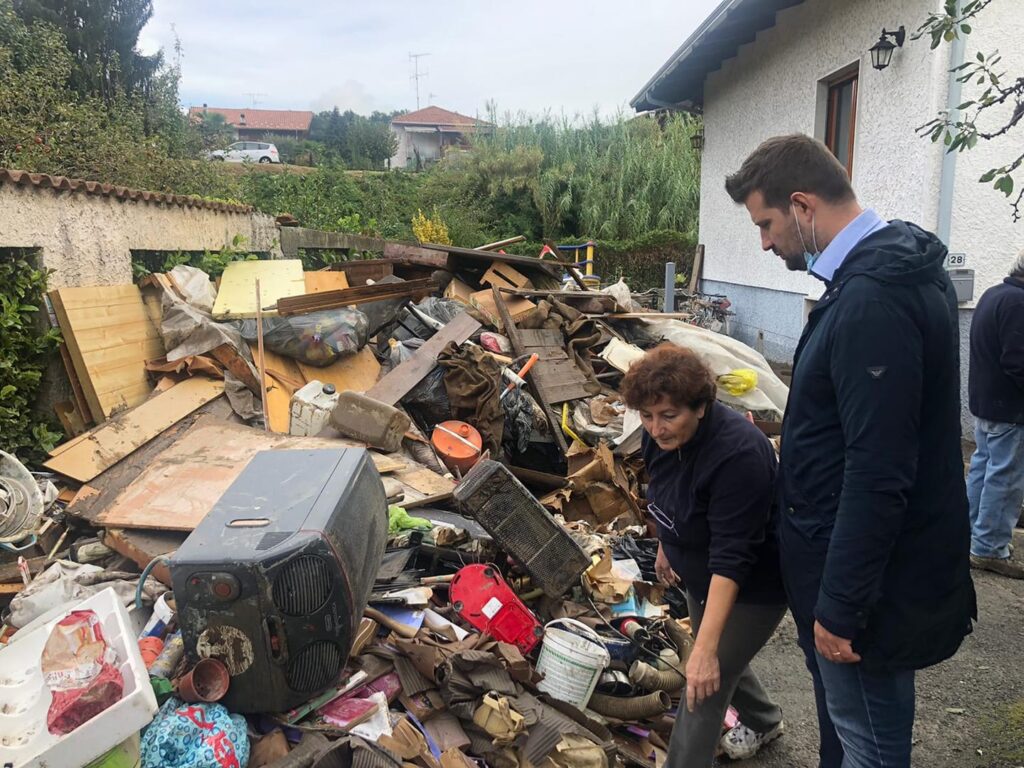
(526, 55)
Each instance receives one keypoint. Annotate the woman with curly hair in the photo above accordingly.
(711, 494)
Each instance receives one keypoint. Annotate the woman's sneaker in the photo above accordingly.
(741, 742)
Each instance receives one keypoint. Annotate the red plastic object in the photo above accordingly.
(480, 596)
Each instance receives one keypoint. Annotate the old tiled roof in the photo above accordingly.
(438, 116)
(64, 184)
(259, 119)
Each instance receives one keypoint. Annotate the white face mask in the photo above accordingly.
(809, 257)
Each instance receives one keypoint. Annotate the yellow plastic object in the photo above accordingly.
(565, 424)
(739, 381)
(279, 278)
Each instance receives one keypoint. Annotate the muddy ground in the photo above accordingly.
(970, 709)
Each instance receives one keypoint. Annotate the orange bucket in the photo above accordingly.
(458, 444)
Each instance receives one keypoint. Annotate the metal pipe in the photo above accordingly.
(957, 53)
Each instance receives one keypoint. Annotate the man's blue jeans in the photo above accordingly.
(995, 486)
(873, 714)
(864, 720)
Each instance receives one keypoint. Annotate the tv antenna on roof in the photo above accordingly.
(430, 97)
(416, 75)
(254, 96)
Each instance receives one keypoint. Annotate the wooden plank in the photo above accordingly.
(229, 357)
(505, 276)
(415, 254)
(279, 382)
(399, 380)
(112, 441)
(81, 404)
(143, 546)
(181, 484)
(325, 280)
(516, 339)
(355, 373)
(518, 308)
(698, 269)
(110, 336)
(486, 257)
(314, 302)
(558, 378)
(236, 296)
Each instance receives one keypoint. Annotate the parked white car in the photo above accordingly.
(251, 151)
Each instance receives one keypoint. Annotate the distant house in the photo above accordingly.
(759, 68)
(260, 123)
(426, 134)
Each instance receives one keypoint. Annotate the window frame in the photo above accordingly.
(834, 87)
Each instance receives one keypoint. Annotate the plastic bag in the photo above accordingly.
(428, 400)
(196, 286)
(738, 382)
(438, 308)
(195, 736)
(318, 339)
(79, 668)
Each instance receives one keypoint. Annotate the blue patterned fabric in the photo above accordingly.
(195, 736)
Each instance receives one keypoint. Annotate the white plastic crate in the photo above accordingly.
(25, 699)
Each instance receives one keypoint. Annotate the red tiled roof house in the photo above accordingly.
(426, 134)
(260, 123)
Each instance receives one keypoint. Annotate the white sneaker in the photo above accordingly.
(741, 742)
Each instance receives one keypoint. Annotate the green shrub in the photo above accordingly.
(25, 351)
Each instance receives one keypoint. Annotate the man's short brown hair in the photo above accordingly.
(786, 164)
(669, 371)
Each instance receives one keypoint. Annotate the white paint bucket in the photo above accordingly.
(571, 662)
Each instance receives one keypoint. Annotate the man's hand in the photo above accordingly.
(663, 570)
(703, 678)
(836, 649)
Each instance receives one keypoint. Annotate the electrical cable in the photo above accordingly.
(145, 574)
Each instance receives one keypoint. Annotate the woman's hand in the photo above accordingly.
(663, 570)
(703, 678)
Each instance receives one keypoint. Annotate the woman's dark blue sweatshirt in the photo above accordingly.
(719, 492)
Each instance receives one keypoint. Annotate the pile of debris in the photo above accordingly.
(389, 511)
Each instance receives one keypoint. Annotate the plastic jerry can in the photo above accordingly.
(311, 408)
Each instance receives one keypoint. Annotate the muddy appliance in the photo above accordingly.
(274, 580)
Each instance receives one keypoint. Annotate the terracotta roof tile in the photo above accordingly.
(259, 119)
(64, 184)
(437, 116)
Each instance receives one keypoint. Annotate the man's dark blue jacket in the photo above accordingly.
(996, 382)
(874, 531)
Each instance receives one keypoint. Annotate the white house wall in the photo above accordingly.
(983, 227)
(427, 144)
(772, 87)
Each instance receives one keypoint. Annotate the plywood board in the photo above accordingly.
(282, 378)
(318, 282)
(356, 373)
(183, 483)
(110, 442)
(110, 336)
(279, 278)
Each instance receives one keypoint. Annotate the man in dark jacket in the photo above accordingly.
(874, 533)
(995, 482)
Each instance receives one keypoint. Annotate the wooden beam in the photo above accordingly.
(362, 294)
(519, 348)
(399, 380)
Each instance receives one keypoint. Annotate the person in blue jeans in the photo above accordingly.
(995, 482)
(874, 535)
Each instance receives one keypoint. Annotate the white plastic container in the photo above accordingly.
(571, 663)
(25, 699)
(311, 407)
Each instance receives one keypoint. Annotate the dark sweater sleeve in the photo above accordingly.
(1011, 331)
(742, 491)
(877, 370)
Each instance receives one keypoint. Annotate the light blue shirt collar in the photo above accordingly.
(835, 253)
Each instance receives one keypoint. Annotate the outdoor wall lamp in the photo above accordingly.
(881, 52)
(697, 140)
